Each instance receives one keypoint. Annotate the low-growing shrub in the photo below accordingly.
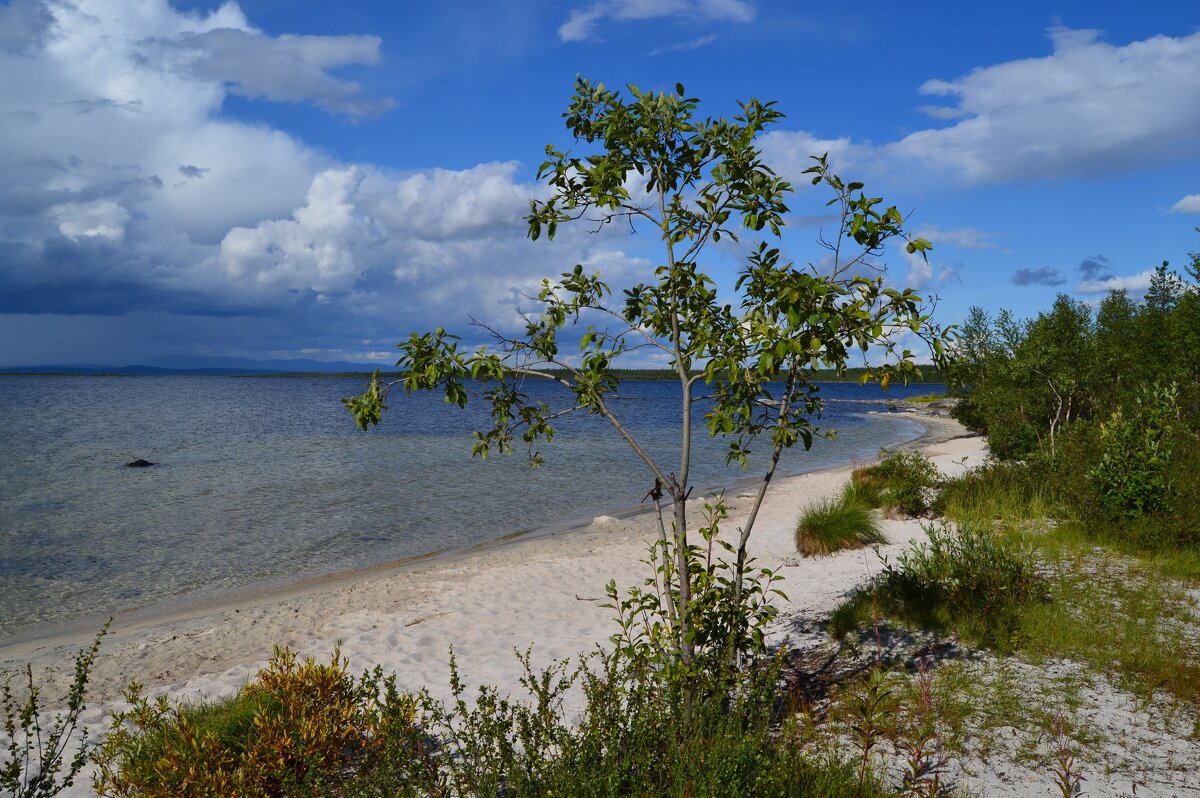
(845, 522)
(35, 763)
(1073, 486)
(904, 480)
(298, 726)
(631, 738)
(966, 578)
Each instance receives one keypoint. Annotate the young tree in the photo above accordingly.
(1057, 352)
(1118, 355)
(651, 162)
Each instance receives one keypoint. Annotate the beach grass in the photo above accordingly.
(831, 525)
(996, 492)
(1121, 615)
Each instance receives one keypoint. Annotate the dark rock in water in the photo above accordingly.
(139, 463)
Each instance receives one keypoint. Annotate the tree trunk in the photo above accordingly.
(686, 644)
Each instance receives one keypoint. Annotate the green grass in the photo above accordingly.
(926, 398)
(1005, 493)
(836, 524)
(1025, 576)
(1120, 615)
(1117, 615)
(1011, 495)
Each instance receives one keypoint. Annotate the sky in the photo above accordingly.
(271, 179)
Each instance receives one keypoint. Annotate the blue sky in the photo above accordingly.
(311, 179)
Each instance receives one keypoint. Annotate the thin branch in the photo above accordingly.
(632, 327)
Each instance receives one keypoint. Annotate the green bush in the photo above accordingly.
(1133, 477)
(904, 480)
(632, 738)
(845, 522)
(966, 579)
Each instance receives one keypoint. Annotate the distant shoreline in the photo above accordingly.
(654, 375)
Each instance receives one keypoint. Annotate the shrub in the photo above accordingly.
(298, 726)
(1133, 475)
(967, 579)
(728, 606)
(902, 480)
(631, 738)
(832, 525)
(33, 762)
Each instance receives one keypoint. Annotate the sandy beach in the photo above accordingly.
(543, 591)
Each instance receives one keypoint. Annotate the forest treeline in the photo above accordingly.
(928, 374)
(1104, 401)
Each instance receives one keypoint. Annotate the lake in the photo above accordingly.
(264, 481)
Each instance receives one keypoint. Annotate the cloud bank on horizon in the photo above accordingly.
(128, 189)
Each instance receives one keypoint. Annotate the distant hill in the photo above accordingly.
(244, 364)
(203, 366)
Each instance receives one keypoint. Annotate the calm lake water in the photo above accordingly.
(262, 482)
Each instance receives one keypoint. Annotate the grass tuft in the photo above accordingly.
(845, 522)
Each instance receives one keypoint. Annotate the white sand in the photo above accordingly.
(542, 591)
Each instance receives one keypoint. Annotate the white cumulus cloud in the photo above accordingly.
(1088, 108)
(1189, 204)
(315, 249)
(1134, 283)
(101, 218)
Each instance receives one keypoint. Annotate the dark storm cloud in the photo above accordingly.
(95, 276)
(1095, 268)
(20, 117)
(1042, 276)
(102, 104)
(25, 200)
(285, 244)
(189, 171)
